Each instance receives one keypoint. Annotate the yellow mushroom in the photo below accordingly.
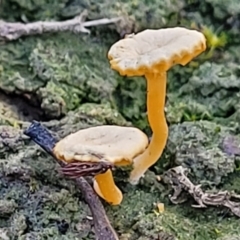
(113, 144)
(151, 53)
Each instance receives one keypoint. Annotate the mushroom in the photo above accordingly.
(116, 145)
(151, 53)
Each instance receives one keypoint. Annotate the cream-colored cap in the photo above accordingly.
(155, 50)
(116, 144)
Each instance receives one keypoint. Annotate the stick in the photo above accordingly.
(13, 31)
(102, 226)
(177, 178)
(103, 229)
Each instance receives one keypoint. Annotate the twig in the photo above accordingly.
(13, 31)
(177, 178)
(103, 229)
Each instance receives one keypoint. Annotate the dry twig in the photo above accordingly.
(177, 178)
(13, 31)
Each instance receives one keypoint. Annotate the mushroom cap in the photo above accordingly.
(116, 144)
(155, 50)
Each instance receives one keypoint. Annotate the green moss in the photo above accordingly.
(7, 207)
(47, 198)
(58, 76)
(211, 92)
(103, 113)
(203, 147)
(67, 77)
(223, 9)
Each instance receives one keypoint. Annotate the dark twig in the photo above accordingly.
(103, 229)
(177, 178)
(13, 31)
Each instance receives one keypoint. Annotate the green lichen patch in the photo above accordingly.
(60, 75)
(211, 92)
(44, 198)
(230, 237)
(67, 77)
(140, 218)
(222, 9)
(202, 147)
(42, 210)
(7, 207)
(103, 113)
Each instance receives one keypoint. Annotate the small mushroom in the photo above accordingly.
(114, 145)
(47, 141)
(151, 53)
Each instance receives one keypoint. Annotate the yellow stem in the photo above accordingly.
(156, 94)
(105, 187)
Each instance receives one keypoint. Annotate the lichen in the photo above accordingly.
(7, 207)
(65, 80)
(230, 237)
(211, 92)
(201, 147)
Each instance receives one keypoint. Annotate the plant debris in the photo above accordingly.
(177, 178)
(13, 31)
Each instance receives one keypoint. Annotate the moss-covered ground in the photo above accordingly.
(65, 81)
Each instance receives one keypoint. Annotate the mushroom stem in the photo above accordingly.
(156, 94)
(105, 187)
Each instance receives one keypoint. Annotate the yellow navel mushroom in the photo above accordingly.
(114, 144)
(151, 53)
